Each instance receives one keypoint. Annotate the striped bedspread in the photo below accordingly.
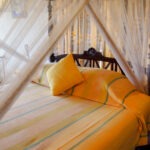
(42, 122)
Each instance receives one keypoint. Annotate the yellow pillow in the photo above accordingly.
(63, 75)
(40, 77)
(97, 85)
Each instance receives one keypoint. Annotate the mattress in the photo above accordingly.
(40, 121)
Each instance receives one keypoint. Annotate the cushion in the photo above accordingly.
(40, 77)
(97, 87)
(63, 75)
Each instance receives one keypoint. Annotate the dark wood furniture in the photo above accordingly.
(91, 58)
(145, 147)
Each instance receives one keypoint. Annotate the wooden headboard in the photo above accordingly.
(91, 58)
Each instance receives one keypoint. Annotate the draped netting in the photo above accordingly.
(80, 36)
(27, 37)
(25, 41)
(127, 23)
(2, 4)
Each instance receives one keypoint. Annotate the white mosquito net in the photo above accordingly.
(27, 37)
(127, 23)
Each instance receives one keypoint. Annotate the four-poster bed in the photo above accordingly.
(102, 111)
(38, 120)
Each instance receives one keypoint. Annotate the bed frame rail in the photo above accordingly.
(91, 58)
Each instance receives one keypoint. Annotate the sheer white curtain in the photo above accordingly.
(26, 42)
(3, 4)
(128, 23)
(80, 36)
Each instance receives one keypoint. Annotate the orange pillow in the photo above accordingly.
(97, 86)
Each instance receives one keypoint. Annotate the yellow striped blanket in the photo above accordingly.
(42, 122)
